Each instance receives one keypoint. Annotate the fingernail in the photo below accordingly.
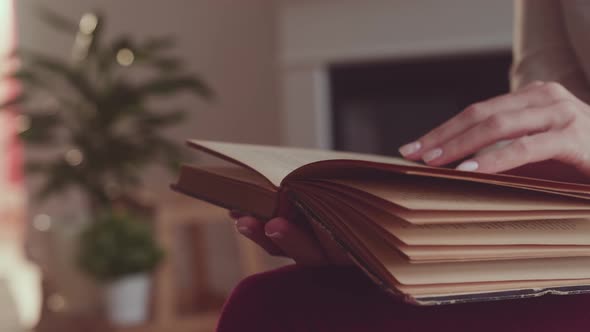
(469, 165)
(432, 154)
(244, 230)
(275, 235)
(410, 148)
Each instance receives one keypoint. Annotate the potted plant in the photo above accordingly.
(119, 250)
(95, 118)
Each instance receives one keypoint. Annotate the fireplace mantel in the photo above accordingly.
(314, 35)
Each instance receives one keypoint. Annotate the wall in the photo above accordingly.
(348, 30)
(230, 43)
(314, 34)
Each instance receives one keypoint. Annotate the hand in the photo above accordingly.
(542, 121)
(280, 237)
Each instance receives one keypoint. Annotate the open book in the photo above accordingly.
(430, 235)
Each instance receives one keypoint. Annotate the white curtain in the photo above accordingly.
(20, 293)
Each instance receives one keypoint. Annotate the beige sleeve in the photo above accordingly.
(543, 45)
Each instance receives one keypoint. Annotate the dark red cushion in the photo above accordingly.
(342, 299)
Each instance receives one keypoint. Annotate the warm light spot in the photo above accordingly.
(125, 57)
(42, 222)
(74, 157)
(88, 23)
(56, 302)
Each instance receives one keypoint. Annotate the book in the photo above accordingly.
(428, 235)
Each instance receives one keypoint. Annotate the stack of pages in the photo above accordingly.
(428, 235)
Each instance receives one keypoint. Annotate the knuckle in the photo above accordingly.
(572, 155)
(432, 137)
(496, 123)
(522, 148)
(475, 112)
(576, 132)
(553, 90)
(532, 84)
(567, 108)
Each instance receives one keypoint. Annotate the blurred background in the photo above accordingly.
(98, 97)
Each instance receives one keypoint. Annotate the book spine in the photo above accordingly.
(285, 206)
(374, 276)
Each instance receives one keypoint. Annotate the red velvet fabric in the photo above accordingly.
(342, 299)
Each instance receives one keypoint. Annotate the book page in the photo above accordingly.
(531, 232)
(417, 193)
(433, 254)
(537, 232)
(407, 273)
(489, 271)
(403, 272)
(422, 217)
(527, 232)
(275, 162)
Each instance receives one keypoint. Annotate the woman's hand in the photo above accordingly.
(542, 121)
(280, 237)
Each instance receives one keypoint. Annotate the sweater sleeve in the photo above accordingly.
(547, 45)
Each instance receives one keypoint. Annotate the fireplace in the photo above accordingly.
(378, 106)
(369, 75)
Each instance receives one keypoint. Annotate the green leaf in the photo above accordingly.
(29, 79)
(157, 44)
(42, 128)
(57, 21)
(106, 59)
(164, 86)
(58, 180)
(24, 76)
(117, 244)
(62, 70)
(168, 64)
(123, 42)
(36, 166)
(37, 137)
(163, 119)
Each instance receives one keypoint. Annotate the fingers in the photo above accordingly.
(501, 126)
(280, 237)
(533, 96)
(295, 242)
(524, 150)
(540, 122)
(253, 229)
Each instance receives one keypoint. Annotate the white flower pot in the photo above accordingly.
(127, 299)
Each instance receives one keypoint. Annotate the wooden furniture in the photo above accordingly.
(172, 215)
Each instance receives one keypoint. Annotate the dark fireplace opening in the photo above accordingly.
(377, 107)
